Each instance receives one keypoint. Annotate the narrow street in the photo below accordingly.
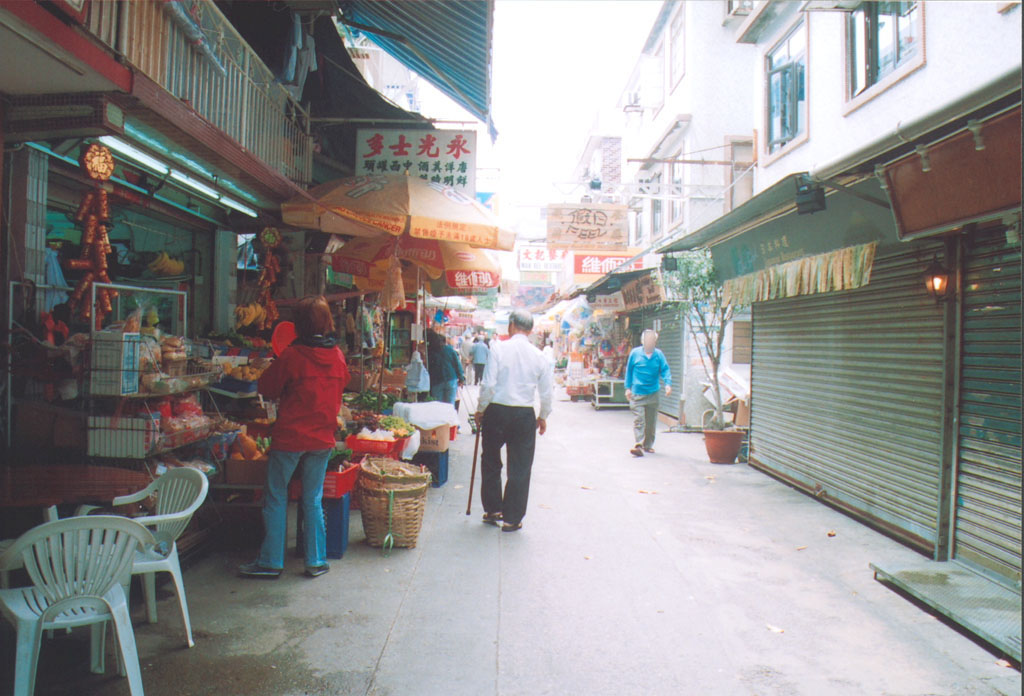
(661, 575)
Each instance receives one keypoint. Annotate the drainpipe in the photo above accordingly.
(904, 133)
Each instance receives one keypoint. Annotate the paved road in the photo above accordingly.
(662, 575)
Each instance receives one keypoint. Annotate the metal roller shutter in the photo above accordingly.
(847, 394)
(670, 340)
(988, 497)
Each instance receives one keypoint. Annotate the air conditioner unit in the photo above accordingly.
(61, 115)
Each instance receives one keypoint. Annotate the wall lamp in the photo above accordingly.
(810, 195)
(936, 280)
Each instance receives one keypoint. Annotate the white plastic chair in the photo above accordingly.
(49, 515)
(77, 567)
(179, 493)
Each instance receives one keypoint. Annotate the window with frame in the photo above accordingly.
(677, 50)
(882, 37)
(676, 174)
(657, 213)
(787, 89)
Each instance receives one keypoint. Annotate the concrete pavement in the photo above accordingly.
(659, 575)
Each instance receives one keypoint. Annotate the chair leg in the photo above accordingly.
(149, 584)
(26, 658)
(127, 649)
(98, 647)
(179, 586)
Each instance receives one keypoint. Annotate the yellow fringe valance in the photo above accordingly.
(843, 269)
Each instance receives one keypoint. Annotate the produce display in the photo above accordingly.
(244, 373)
(166, 265)
(251, 314)
(371, 401)
(249, 448)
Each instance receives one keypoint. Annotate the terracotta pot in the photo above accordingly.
(723, 445)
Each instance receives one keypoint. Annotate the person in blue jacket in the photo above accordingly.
(646, 369)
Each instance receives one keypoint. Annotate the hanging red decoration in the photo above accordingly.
(94, 215)
(270, 240)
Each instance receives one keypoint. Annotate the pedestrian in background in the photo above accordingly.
(480, 355)
(516, 373)
(308, 379)
(444, 367)
(646, 369)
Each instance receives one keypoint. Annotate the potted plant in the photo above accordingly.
(696, 285)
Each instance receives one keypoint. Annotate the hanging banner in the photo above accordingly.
(446, 157)
(538, 257)
(587, 226)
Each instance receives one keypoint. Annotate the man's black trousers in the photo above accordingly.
(515, 428)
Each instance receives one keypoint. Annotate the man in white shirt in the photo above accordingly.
(516, 373)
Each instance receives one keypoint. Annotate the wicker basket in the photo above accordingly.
(385, 483)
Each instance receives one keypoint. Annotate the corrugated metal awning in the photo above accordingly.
(447, 42)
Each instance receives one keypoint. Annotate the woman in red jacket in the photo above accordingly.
(308, 380)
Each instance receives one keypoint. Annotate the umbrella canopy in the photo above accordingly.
(396, 204)
(457, 265)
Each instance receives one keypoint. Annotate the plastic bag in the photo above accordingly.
(412, 446)
(417, 378)
(428, 415)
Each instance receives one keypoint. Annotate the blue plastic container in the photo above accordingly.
(336, 520)
(437, 463)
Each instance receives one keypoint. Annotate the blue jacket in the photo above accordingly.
(643, 374)
(480, 353)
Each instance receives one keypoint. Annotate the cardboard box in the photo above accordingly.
(435, 440)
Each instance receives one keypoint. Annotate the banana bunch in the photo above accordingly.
(251, 313)
(166, 265)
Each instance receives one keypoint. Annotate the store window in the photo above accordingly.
(787, 89)
(881, 38)
(677, 41)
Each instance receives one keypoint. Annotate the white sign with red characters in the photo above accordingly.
(446, 157)
(537, 257)
(599, 264)
(472, 280)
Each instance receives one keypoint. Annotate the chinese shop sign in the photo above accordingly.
(592, 264)
(642, 292)
(446, 157)
(536, 257)
(588, 226)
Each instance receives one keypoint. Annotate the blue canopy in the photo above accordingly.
(447, 42)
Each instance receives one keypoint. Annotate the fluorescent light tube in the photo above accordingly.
(232, 203)
(195, 184)
(135, 154)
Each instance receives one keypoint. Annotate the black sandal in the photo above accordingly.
(511, 527)
(492, 518)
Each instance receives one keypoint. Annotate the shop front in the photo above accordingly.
(886, 356)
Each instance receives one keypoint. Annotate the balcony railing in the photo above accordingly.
(215, 71)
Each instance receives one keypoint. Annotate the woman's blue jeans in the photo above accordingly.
(445, 391)
(280, 468)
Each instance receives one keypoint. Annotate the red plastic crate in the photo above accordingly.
(336, 483)
(360, 446)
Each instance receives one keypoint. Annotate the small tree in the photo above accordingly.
(696, 285)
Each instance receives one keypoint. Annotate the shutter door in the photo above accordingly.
(847, 393)
(988, 500)
(670, 340)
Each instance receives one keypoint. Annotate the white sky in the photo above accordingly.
(556, 64)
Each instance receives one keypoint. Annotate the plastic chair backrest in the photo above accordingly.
(78, 556)
(179, 492)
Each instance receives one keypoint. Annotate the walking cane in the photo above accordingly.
(472, 476)
(476, 447)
